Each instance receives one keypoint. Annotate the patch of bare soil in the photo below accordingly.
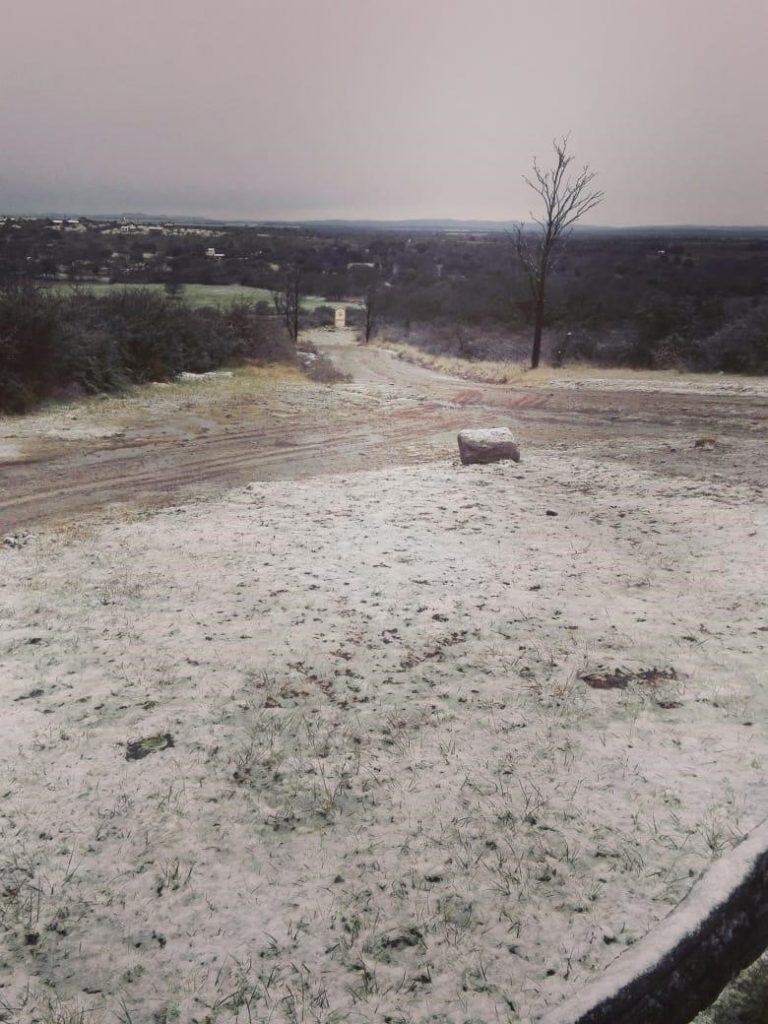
(172, 443)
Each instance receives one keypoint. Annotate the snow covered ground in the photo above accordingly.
(391, 794)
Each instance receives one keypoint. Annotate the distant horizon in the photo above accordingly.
(437, 221)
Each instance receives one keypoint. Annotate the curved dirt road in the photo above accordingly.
(392, 412)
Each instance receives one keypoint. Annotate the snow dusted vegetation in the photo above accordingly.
(422, 744)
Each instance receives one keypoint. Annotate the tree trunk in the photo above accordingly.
(538, 327)
(295, 308)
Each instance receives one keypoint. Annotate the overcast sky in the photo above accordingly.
(382, 108)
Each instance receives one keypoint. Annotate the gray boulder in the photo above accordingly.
(491, 445)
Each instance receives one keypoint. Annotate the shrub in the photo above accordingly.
(739, 347)
(324, 370)
(28, 350)
(49, 343)
(258, 336)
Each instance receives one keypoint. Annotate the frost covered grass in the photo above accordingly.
(391, 792)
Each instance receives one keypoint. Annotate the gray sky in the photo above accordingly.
(382, 108)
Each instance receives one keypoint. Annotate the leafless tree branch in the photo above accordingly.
(566, 197)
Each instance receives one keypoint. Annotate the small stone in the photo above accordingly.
(433, 874)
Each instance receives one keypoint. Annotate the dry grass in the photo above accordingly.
(214, 393)
(214, 397)
(572, 374)
(483, 371)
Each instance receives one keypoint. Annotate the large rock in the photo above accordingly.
(490, 445)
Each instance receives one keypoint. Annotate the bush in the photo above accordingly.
(324, 370)
(485, 341)
(258, 336)
(28, 349)
(740, 347)
(49, 343)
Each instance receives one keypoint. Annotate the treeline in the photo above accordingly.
(736, 343)
(694, 300)
(657, 298)
(84, 343)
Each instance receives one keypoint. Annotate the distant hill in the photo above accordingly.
(416, 225)
(490, 226)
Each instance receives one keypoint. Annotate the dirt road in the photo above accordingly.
(392, 413)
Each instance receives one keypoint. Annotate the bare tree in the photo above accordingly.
(566, 197)
(287, 299)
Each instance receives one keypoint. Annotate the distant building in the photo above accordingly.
(340, 317)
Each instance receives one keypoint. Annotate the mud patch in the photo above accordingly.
(620, 679)
(135, 750)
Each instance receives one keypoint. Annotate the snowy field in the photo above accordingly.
(431, 744)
